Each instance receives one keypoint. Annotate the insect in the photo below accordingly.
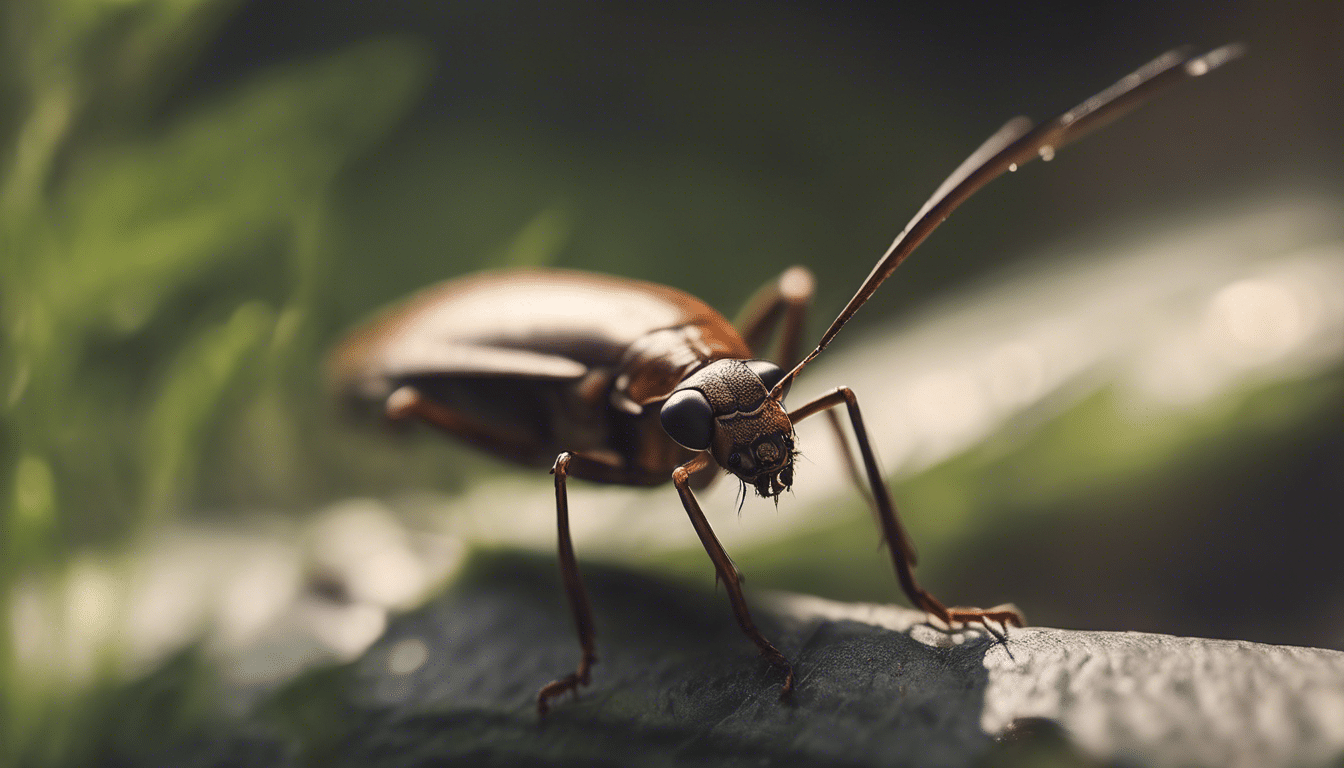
(622, 381)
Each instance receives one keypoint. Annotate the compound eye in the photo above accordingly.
(768, 373)
(688, 419)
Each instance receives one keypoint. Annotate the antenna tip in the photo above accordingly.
(1210, 61)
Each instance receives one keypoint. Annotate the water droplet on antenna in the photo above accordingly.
(1012, 167)
(1047, 153)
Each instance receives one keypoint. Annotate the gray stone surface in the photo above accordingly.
(1158, 699)
(677, 684)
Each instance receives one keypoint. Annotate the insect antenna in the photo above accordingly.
(1015, 145)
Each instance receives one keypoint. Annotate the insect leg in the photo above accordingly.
(407, 402)
(574, 591)
(786, 297)
(898, 542)
(727, 572)
(852, 469)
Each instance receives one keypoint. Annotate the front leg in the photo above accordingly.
(726, 571)
(893, 533)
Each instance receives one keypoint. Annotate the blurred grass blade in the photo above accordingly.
(539, 241)
(190, 397)
(144, 219)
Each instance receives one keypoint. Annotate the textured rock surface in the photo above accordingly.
(1163, 700)
(677, 683)
(1175, 700)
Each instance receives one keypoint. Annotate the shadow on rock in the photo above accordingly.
(676, 680)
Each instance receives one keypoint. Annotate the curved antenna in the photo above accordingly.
(1014, 145)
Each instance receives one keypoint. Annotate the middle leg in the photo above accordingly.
(577, 596)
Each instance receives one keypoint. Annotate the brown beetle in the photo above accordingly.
(623, 381)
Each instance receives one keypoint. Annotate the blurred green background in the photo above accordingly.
(199, 197)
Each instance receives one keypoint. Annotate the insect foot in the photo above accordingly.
(1002, 614)
(777, 659)
(570, 682)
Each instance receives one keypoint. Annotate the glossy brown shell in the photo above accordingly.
(559, 360)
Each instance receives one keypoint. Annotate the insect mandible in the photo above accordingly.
(622, 381)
